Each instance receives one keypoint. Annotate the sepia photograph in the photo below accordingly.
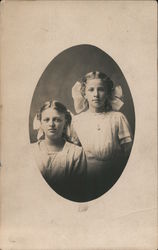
(78, 108)
(82, 136)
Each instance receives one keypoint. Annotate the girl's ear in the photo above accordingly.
(65, 125)
(64, 134)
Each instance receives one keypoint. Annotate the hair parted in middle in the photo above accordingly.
(107, 82)
(98, 75)
(58, 106)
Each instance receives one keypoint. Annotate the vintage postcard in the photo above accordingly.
(78, 125)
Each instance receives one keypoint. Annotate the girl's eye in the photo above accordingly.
(91, 89)
(46, 120)
(101, 89)
(57, 120)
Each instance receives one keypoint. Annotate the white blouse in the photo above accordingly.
(64, 171)
(101, 134)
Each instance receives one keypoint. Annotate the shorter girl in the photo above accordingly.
(102, 131)
(61, 163)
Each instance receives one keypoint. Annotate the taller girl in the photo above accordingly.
(101, 129)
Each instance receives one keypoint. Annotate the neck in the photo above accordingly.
(55, 142)
(96, 110)
(54, 145)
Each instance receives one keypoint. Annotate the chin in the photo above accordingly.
(97, 106)
(52, 136)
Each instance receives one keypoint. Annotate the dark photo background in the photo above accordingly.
(70, 66)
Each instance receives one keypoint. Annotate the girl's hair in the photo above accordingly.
(108, 83)
(58, 106)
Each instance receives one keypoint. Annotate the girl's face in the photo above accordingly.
(52, 123)
(96, 94)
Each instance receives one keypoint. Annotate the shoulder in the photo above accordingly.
(38, 148)
(118, 120)
(35, 148)
(36, 145)
(74, 149)
(79, 117)
(116, 115)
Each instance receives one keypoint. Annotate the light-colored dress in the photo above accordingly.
(101, 136)
(64, 171)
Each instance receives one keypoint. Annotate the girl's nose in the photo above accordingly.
(51, 123)
(96, 92)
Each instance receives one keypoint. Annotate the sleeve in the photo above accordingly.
(73, 135)
(124, 131)
(80, 161)
(41, 158)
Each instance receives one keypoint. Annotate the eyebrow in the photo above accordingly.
(52, 117)
(97, 87)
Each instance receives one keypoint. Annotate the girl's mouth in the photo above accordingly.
(52, 130)
(95, 100)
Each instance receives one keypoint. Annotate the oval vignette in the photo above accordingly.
(60, 75)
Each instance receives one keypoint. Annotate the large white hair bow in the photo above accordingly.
(37, 126)
(116, 101)
(80, 103)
